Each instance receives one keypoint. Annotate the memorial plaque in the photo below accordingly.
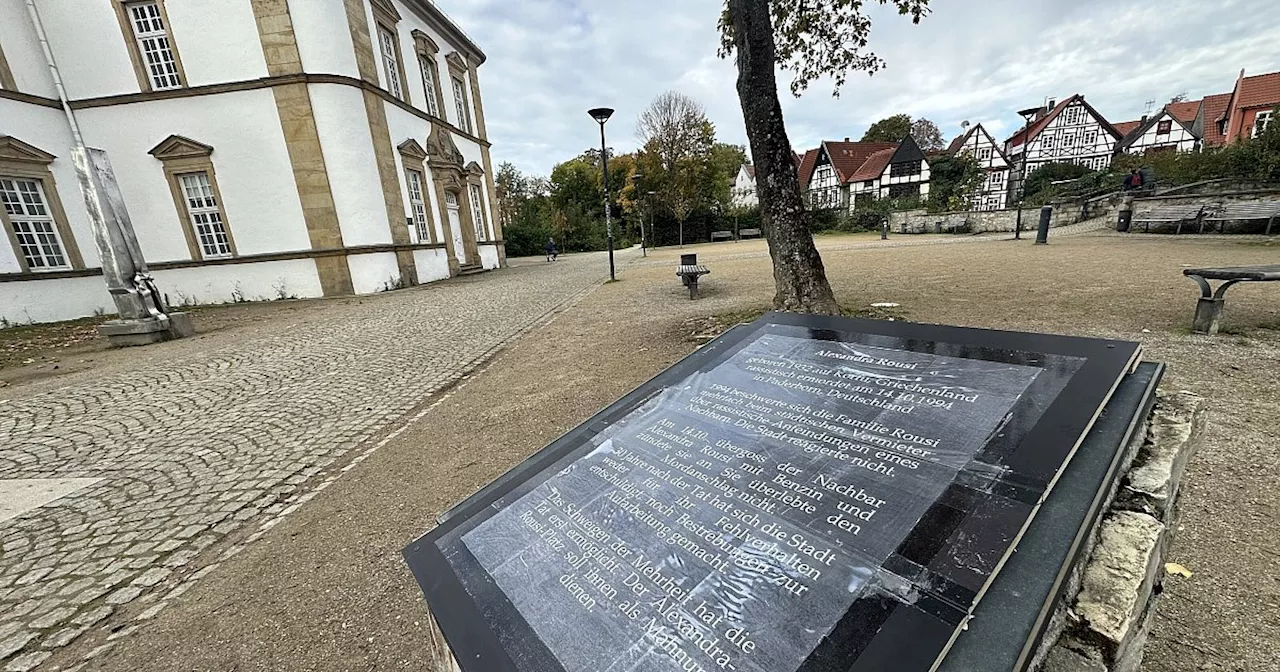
(803, 494)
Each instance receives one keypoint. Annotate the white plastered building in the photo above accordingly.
(264, 148)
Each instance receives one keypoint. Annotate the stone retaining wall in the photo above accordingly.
(986, 221)
(1109, 206)
(1102, 621)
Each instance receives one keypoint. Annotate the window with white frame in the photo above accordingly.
(154, 44)
(205, 215)
(1049, 142)
(997, 178)
(429, 84)
(419, 206)
(460, 103)
(1073, 115)
(477, 212)
(1091, 137)
(984, 154)
(1261, 121)
(33, 226)
(390, 60)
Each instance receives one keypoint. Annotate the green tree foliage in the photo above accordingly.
(927, 135)
(953, 182)
(890, 129)
(1041, 180)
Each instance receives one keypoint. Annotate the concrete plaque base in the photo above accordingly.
(126, 333)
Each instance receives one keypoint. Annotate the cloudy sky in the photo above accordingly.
(976, 60)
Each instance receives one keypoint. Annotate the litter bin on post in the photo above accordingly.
(1042, 233)
(1126, 215)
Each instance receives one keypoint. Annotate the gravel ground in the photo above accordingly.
(326, 589)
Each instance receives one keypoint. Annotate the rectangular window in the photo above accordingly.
(984, 154)
(904, 169)
(1261, 121)
(1091, 137)
(904, 190)
(419, 205)
(460, 102)
(477, 213)
(1048, 142)
(429, 85)
(33, 224)
(154, 44)
(205, 215)
(390, 60)
(1164, 128)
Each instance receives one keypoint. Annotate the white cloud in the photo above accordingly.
(977, 60)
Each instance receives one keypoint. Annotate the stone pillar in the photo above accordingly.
(144, 317)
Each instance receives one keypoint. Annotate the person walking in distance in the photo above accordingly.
(552, 252)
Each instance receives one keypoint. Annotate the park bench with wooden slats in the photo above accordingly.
(1209, 307)
(749, 233)
(1244, 211)
(721, 235)
(1169, 213)
(689, 271)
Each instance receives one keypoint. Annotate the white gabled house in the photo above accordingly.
(744, 187)
(1172, 130)
(1071, 131)
(841, 175)
(907, 173)
(978, 143)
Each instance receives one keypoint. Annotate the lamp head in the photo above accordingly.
(601, 114)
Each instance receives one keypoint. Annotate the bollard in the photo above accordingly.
(1042, 233)
(884, 230)
(1126, 215)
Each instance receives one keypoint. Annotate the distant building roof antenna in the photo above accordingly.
(1151, 105)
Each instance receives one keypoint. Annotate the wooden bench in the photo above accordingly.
(689, 275)
(721, 235)
(1209, 307)
(1268, 210)
(749, 233)
(1169, 213)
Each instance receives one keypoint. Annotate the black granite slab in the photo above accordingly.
(1007, 625)
(804, 493)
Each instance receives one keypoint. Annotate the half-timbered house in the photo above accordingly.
(839, 175)
(977, 142)
(1071, 131)
(1170, 130)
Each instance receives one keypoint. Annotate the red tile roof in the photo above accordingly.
(959, 141)
(1259, 90)
(1215, 107)
(1126, 127)
(1184, 111)
(1039, 125)
(807, 163)
(848, 157)
(873, 167)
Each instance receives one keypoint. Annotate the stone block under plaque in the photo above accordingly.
(803, 494)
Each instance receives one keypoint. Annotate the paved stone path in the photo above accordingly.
(191, 450)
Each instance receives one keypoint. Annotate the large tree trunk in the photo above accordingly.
(798, 274)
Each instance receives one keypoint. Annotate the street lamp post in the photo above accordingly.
(652, 220)
(1022, 182)
(601, 115)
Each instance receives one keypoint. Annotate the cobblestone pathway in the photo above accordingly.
(190, 451)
